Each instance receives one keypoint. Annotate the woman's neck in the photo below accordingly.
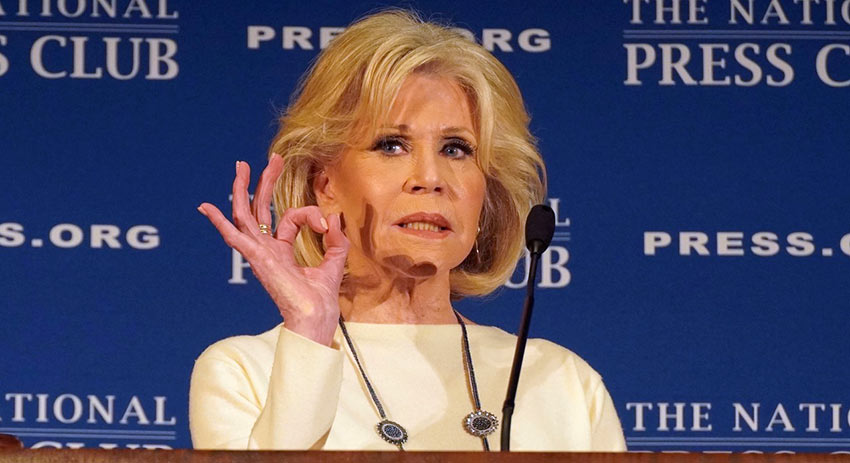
(397, 300)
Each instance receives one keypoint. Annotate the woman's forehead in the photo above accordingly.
(431, 103)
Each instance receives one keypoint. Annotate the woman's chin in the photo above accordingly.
(402, 260)
(411, 267)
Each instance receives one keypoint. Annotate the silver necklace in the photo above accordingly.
(480, 423)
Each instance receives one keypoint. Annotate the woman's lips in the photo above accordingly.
(424, 233)
(425, 224)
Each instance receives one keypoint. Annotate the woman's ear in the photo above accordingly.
(324, 191)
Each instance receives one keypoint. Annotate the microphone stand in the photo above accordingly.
(522, 337)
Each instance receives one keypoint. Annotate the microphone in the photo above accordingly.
(539, 229)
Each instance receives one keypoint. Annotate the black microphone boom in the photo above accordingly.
(539, 229)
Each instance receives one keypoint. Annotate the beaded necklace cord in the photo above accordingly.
(479, 423)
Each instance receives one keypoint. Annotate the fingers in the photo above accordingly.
(336, 247)
(260, 207)
(294, 218)
(242, 217)
(335, 238)
(232, 236)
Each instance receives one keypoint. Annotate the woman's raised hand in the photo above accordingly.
(307, 297)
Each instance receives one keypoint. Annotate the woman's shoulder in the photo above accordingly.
(540, 354)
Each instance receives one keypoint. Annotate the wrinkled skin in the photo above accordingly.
(422, 160)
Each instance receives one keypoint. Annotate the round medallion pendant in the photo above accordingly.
(392, 432)
(481, 423)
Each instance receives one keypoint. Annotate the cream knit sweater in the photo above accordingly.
(279, 390)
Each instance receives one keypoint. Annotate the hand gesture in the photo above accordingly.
(307, 297)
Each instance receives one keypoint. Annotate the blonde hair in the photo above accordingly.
(352, 85)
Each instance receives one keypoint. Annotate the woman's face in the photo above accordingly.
(412, 196)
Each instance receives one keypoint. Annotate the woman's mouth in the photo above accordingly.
(425, 224)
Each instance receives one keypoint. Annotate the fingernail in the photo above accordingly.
(201, 210)
(237, 166)
(324, 223)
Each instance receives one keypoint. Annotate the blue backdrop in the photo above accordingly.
(698, 162)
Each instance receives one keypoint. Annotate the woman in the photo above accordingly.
(404, 169)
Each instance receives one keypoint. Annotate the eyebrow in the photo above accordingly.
(457, 131)
(404, 128)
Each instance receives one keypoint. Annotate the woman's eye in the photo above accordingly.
(458, 149)
(390, 146)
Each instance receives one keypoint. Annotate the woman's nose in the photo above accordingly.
(426, 174)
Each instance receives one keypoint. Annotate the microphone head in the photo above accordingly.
(539, 228)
